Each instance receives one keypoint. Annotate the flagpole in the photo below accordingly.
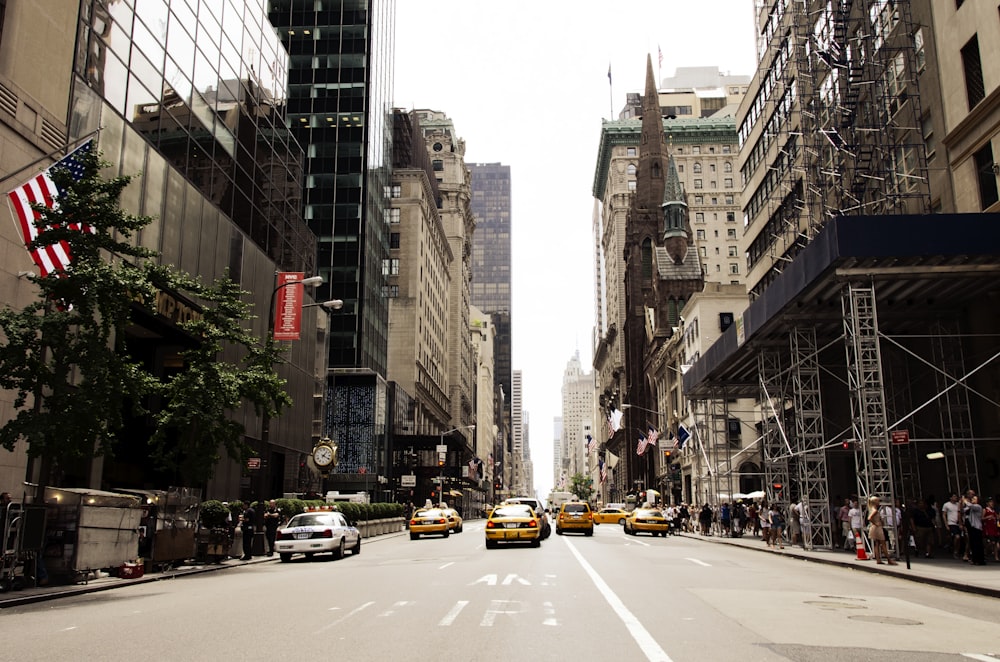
(51, 155)
(611, 95)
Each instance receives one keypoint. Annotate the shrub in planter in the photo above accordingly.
(213, 514)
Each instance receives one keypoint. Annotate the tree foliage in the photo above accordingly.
(582, 486)
(65, 357)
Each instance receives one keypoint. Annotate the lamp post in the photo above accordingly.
(441, 459)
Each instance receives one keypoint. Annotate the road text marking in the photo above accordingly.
(450, 617)
(497, 607)
(344, 617)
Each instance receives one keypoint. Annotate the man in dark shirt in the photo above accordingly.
(923, 528)
(247, 521)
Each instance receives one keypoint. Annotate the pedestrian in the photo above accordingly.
(974, 530)
(857, 517)
(991, 530)
(951, 512)
(794, 524)
(805, 524)
(923, 528)
(4, 499)
(725, 518)
(844, 519)
(705, 520)
(876, 532)
(753, 518)
(765, 524)
(248, 521)
(777, 526)
(272, 519)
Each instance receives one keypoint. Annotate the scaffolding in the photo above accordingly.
(953, 407)
(810, 440)
(774, 443)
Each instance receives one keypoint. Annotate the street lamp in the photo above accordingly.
(441, 460)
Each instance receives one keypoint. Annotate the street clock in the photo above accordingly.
(325, 454)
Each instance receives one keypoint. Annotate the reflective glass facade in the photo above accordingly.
(340, 95)
(204, 81)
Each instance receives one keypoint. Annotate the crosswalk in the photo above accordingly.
(486, 612)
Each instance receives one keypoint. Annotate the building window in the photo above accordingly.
(697, 183)
(895, 83)
(437, 164)
(987, 176)
(630, 169)
(730, 200)
(703, 251)
(727, 182)
(390, 291)
(728, 166)
(715, 201)
(711, 166)
(680, 167)
(974, 87)
(396, 191)
(392, 216)
(927, 128)
(731, 233)
(734, 268)
(699, 200)
(700, 235)
(696, 150)
(906, 174)
(699, 217)
(394, 240)
(918, 49)
(631, 185)
(630, 151)
(696, 168)
(713, 184)
(390, 267)
(726, 149)
(730, 217)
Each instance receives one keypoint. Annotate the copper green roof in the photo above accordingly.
(682, 131)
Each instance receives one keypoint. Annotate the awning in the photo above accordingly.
(454, 493)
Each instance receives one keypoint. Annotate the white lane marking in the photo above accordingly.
(344, 617)
(442, 567)
(509, 579)
(450, 617)
(72, 627)
(490, 580)
(639, 542)
(333, 608)
(701, 563)
(496, 608)
(640, 634)
(390, 612)
(550, 614)
(981, 657)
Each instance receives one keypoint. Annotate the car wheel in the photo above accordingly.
(459, 529)
(309, 556)
(447, 532)
(357, 548)
(285, 558)
(622, 521)
(536, 543)
(589, 532)
(339, 552)
(414, 536)
(491, 544)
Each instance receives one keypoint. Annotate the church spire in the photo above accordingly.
(675, 214)
(652, 149)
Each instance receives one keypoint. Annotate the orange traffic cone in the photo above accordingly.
(860, 545)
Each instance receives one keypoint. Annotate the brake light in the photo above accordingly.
(490, 524)
(282, 535)
(442, 521)
(327, 533)
(532, 523)
(561, 517)
(590, 516)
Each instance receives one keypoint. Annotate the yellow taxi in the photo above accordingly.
(454, 519)
(649, 520)
(610, 516)
(515, 522)
(429, 520)
(575, 516)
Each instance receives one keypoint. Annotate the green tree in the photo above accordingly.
(582, 486)
(65, 358)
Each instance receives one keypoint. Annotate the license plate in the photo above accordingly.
(511, 525)
(576, 516)
(301, 536)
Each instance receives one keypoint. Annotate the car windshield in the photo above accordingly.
(526, 502)
(312, 519)
(518, 510)
(613, 511)
(429, 514)
(575, 508)
(649, 513)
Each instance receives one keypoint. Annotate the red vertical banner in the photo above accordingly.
(288, 306)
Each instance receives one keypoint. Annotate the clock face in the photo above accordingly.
(323, 455)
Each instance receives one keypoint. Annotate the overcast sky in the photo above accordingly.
(526, 84)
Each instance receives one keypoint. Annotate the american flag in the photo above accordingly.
(649, 440)
(640, 447)
(603, 468)
(591, 444)
(42, 190)
(474, 469)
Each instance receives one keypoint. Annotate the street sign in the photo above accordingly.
(900, 436)
(442, 457)
(409, 480)
(442, 448)
(253, 463)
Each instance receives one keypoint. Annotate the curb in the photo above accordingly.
(885, 572)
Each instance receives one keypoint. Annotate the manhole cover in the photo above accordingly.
(887, 620)
(829, 604)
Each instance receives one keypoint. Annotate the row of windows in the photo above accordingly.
(733, 251)
(730, 234)
(699, 217)
(726, 183)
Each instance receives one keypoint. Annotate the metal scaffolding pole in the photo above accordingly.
(809, 437)
(867, 393)
(774, 445)
(954, 411)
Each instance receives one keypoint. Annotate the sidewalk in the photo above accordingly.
(942, 570)
(41, 593)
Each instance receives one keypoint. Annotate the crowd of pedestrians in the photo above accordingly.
(962, 525)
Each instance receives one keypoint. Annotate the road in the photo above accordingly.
(604, 597)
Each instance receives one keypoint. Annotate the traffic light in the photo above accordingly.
(776, 486)
(666, 456)
(440, 463)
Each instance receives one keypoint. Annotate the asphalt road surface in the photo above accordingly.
(606, 597)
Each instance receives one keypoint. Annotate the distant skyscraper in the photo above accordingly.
(577, 416)
(491, 259)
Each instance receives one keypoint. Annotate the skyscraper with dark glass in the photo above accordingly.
(340, 96)
(491, 263)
